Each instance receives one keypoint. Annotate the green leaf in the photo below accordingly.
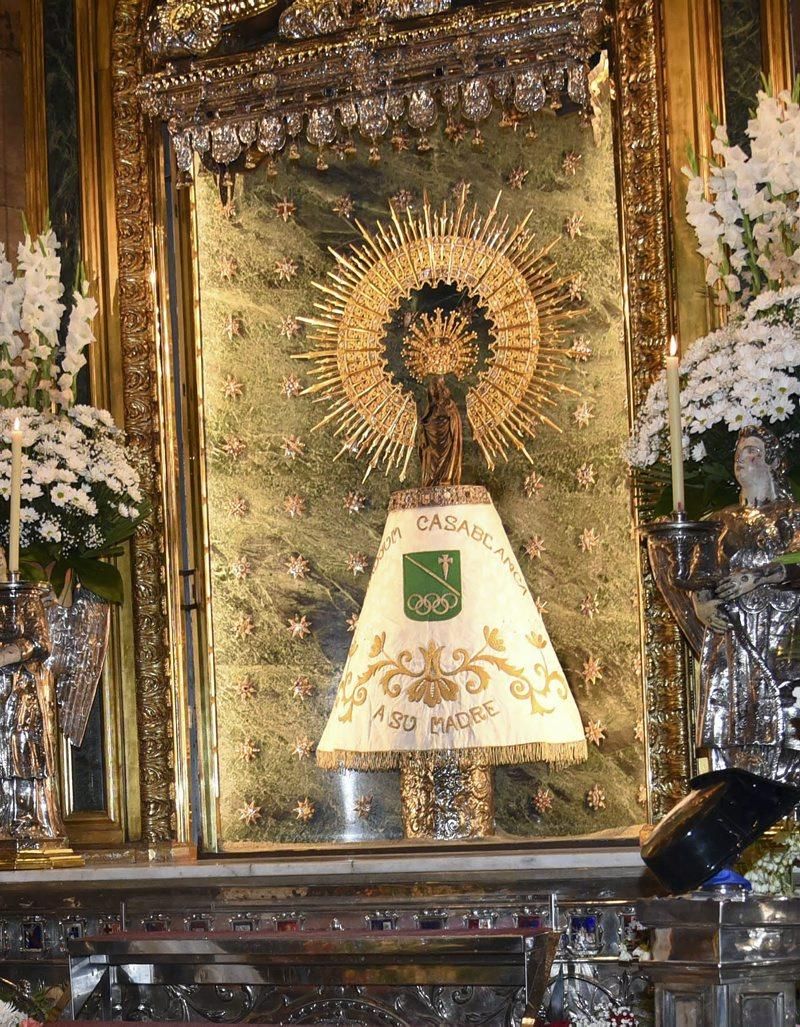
(691, 156)
(39, 552)
(31, 570)
(713, 117)
(101, 578)
(788, 558)
(58, 576)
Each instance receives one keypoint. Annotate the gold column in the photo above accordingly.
(694, 82)
(121, 821)
(36, 188)
(776, 43)
(448, 799)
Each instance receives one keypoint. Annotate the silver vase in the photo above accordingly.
(79, 642)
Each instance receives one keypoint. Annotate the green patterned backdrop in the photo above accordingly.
(293, 533)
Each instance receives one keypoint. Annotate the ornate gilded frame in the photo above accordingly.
(141, 298)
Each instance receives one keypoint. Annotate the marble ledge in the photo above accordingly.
(542, 867)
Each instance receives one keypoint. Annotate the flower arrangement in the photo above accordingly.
(743, 374)
(747, 221)
(35, 368)
(80, 495)
(769, 863)
(746, 212)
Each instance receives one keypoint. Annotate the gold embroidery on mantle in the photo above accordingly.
(434, 682)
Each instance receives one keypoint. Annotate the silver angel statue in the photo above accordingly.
(29, 807)
(740, 610)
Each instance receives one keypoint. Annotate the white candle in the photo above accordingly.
(675, 433)
(16, 482)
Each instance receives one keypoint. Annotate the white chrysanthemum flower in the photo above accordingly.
(743, 374)
(49, 532)
(77, 479)
(10, 1016)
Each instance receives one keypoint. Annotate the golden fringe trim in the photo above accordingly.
(558, 754)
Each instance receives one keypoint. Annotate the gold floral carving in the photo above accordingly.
(641, 146)
(137, 323)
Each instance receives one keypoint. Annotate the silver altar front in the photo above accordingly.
(128, 972)
(724, 962)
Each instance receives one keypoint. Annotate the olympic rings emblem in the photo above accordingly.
(432, 603)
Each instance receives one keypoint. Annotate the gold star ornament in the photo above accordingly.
(304, 810)
(249, 813)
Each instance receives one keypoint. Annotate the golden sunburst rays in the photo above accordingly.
(497, 264)
(440, 344)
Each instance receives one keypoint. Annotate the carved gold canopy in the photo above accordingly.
(239, 81)
(339, 67)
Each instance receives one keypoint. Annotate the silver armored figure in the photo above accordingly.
(740, 610)
(29, 807)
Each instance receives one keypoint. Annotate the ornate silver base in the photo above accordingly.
(446, 799)
(671, 546)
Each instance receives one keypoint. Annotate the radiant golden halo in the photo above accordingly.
(494, 263)
(440, 344)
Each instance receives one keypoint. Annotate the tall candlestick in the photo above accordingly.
(16, 483)
(675, 432)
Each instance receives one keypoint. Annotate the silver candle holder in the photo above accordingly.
(682, 555)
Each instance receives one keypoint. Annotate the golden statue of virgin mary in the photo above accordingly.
(440, 437)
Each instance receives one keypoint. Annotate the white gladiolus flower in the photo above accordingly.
(746, 213)
(37, 365)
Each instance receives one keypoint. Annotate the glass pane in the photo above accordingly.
(88, 764)
(289, 533)
(741, 62)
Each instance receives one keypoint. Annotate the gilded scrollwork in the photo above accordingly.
(179, 27)
(137, 315)
(642, 142)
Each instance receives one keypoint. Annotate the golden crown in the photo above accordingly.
(440, 344)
